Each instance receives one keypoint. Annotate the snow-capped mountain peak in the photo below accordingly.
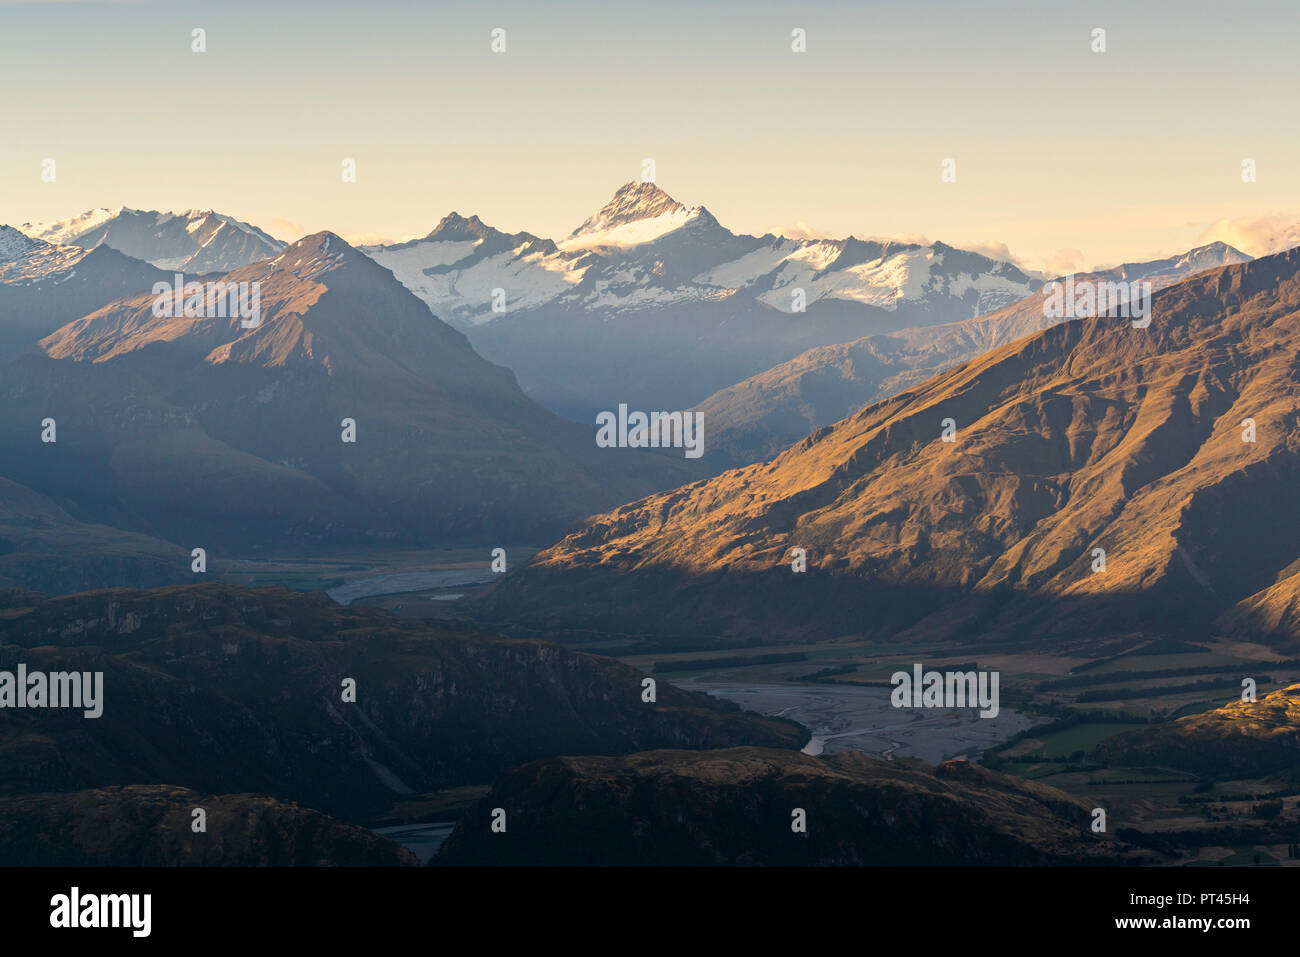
(15, 244)
(638, 213)
(195, 240)
(313, 256)
(631, 202)
(67, 230)
(25, 259)
(1210, 255)
(455, 227)
(645, 250)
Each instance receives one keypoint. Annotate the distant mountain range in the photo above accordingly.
(44, 285)
(195, 241)
(1090, 435)
(648, 302)
(152, 409)
(200, 431)
(658, 305)
(757, 418)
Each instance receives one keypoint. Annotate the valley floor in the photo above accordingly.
(848, 718)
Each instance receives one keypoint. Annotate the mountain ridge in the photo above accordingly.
(448, 447)
(1088, 434)
(758, 417)
(657, 304)
(195, 240)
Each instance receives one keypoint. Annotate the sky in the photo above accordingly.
(1064, 157)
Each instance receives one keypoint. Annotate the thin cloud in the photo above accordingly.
(800, 230)
(286, 230)
(1064, 262)
(1255, 235)
(372, 239)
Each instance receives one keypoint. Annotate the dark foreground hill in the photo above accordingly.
(153, 826)
(227, 689)
(735, 807)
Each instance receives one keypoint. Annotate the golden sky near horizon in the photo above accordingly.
(1064, 156)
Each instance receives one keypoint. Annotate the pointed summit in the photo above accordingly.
(454, 227)
(632, 202)
(1211, 255)
(312, 257)
(638, 213)
(322, 241)
(320, 304)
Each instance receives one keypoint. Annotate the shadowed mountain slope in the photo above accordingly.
(199, 430)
